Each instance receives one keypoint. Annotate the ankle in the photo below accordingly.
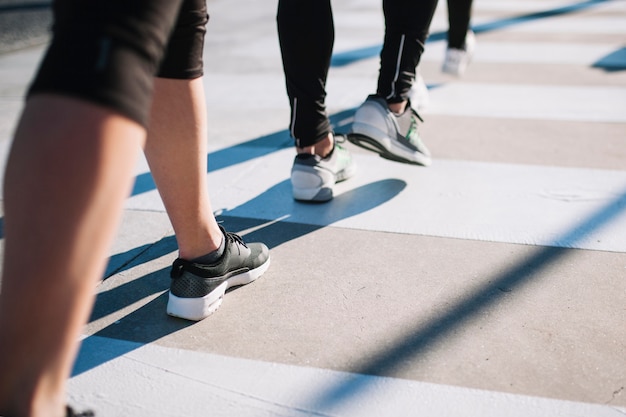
(201, 244)
(397, 108)
(213, 256)
(322, 148)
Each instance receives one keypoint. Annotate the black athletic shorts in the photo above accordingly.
(109, 51)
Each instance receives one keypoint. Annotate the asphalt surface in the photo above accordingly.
(491, 284)
(24, 24)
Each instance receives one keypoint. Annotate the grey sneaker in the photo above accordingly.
(313, 177)
(197, 290)
(377, 129)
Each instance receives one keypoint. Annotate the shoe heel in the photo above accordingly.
(196, 309)
(310, 187)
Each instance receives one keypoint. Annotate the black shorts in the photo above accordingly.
(109, 51)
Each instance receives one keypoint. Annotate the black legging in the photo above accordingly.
(306, 34)
(459, 14)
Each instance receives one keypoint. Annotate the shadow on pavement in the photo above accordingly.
(149, 322)
(349, 57)
(423, 336)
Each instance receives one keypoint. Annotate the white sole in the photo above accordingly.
(196, 309)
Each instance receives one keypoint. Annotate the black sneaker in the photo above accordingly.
(197, 290)
(69, 412)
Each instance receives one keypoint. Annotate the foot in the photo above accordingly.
(313, 177)
(457, 60)
(393, 136)
(197, 290)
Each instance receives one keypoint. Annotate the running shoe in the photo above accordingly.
(395, 137)
(457, 60)
(197, 290)
(313, 177)
(69, 412)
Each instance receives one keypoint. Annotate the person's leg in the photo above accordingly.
(210, 259)
(459, 15)
(176, 147)
(407, 24)
(176, 150)
(461, 40)
(385, 123)
(68, 173)
(306, 34)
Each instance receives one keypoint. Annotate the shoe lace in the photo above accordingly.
(414, 137)
(181, 265)
(414, 112)
(235, 238)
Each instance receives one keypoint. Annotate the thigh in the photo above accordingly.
(107, 52)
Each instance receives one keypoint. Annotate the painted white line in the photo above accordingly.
(526, 204)
(119, 378)
(565, 24)
(529, 52)
(534, 102)
(532, 6)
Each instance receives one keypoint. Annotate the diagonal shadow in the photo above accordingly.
(246, 151)
(355, 55)
(140, 325)
(615, 61)
(220, 159)
(418, 340)
(558, 11)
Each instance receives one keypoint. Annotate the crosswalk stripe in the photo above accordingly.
(545, 102)
(528, 204)
(232, 386)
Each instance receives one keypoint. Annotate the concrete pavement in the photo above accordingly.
(490, 284)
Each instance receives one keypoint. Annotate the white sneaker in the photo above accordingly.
(419, 93)
(313, 177)
(457, 60)
(378, 129)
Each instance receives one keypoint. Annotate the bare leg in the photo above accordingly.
(176, 150)
(68, 174)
